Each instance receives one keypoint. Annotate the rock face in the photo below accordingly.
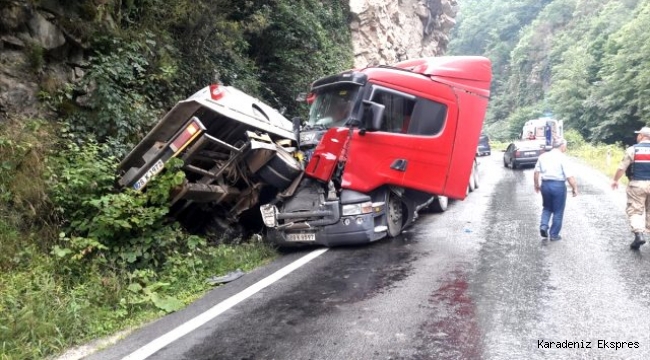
(387, 31)
(28, 37)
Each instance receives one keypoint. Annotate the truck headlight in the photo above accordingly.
(357, 209)
(268, 215)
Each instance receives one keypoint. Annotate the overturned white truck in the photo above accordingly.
(234, 148)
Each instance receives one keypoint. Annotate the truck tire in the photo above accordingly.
(439, 204)
(475, 176)
(394, 218)
(281, 170)
(472, 178)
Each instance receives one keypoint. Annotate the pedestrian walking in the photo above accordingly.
(553, 170)
(636, 165)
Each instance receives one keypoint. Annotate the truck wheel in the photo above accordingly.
(472, 178)
(475, 175)
(440, 204)
(280, 171)
(394, 215)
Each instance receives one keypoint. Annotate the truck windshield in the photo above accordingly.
(332, 107)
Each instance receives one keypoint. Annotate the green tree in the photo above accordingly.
(623, 96)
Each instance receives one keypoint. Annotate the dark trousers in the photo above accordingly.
(553, 202)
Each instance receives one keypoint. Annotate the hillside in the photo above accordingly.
(582, 61)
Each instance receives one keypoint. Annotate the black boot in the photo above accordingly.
(639, 239)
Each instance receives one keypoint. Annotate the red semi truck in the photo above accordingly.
(380, 144)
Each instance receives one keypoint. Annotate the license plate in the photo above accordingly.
(530, 153)
(155, 169)
(301, 237)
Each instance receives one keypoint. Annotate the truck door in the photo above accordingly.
(413, 148)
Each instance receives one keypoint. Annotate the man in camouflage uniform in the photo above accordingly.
(636, 165)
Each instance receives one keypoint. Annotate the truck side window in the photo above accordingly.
(428, 118)
(397, 113)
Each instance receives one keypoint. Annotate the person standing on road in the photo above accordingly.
(636, 165)
(553, 169)
(548, 134)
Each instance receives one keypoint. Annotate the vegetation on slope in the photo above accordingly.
(583, 61)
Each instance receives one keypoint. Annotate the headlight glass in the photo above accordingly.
(357, 209)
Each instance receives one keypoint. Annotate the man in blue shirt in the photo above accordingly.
(553, 169)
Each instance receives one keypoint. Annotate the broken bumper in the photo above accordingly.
(341, 230)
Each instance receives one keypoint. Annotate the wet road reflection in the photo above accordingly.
(586, 291)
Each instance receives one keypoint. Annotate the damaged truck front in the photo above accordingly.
(233, 146)
(380, 144)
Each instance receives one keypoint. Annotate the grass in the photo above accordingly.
(43, 313)
(604, 158)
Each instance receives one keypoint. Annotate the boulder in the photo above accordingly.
(17, 97)
(385, 32)
(46, 34)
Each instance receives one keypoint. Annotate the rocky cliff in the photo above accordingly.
(36, 54)
(384, 32)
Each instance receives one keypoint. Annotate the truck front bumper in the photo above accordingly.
(348, 230)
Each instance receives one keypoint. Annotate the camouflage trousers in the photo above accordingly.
(638, 205)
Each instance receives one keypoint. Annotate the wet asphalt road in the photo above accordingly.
(475, 282)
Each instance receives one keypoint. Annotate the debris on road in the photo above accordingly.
(231, 276)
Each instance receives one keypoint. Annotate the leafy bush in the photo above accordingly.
(574, 138)
(122, 229)
(123, 92)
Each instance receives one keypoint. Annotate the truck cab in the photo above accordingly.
(380, 144)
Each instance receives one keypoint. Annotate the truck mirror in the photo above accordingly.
(373, 115)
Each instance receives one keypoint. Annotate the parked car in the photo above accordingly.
(483, 147)
(522, 153)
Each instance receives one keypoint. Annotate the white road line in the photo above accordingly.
(192, 324)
